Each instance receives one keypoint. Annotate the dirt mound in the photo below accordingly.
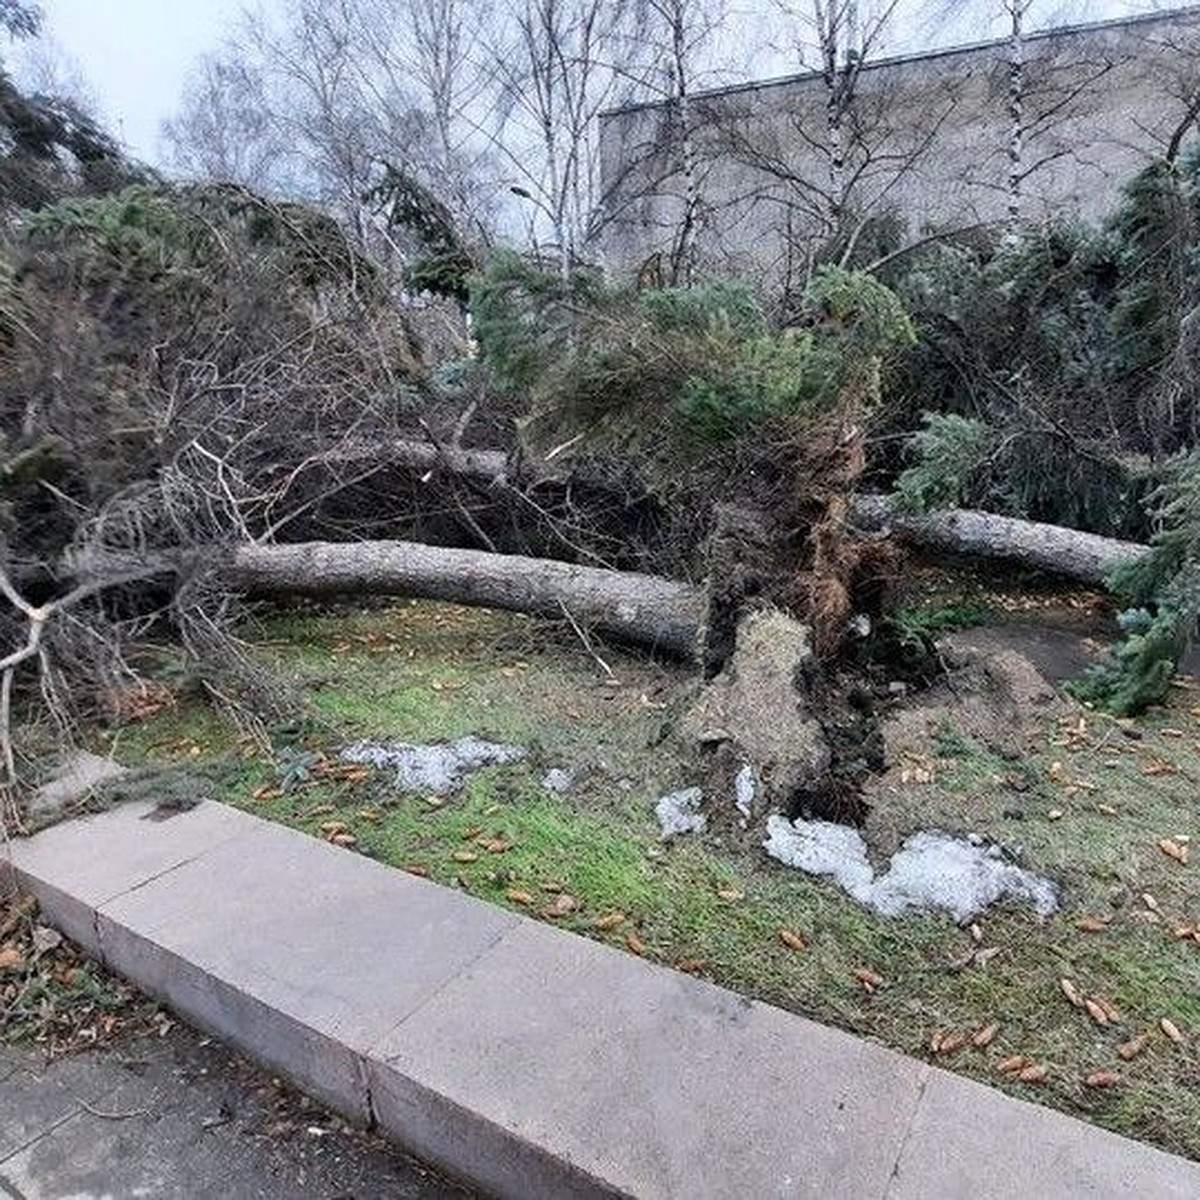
(755, 712)
(993, 699)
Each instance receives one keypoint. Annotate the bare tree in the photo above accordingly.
(225, 128)
(681, 35)
(563, 63)
(318, 96)
(834, 157)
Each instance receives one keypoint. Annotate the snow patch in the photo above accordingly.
(680, 813)
(930, 871)
(558, 780)
(822, 848)
(744, 788)
(439, 768)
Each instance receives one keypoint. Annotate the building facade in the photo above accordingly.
(743, 180)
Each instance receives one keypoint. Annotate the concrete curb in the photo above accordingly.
(527, 1060)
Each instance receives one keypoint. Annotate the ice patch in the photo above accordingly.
(680, 813)
(931, 871)
(438, 768)
(558, 780)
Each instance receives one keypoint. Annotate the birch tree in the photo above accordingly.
(681, 36)
(563, 63)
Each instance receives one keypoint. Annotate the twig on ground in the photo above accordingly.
(587, 644)
(113, 1116)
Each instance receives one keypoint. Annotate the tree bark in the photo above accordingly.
(1086, 557)
(649, 611)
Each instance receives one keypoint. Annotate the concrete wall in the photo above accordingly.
(931, 146)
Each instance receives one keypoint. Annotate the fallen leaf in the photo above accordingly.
(1158, 767)
(1096, 1011)
(1110, 1009)
(45, 939)
(11, 959)
(1056, 814)
(985, 955)
(497, 845)
(518, 896)
(1071, 992)
(1150, 902)
(976, 933)
(345, 840)
(1034, 1074)
(563, 905)
(1171, 1030)
(471, 833)
(960, 962)
(418, 869)
(692, 966)
(1018, 1062)
(1172, 849)
(950, 1043)
(1106, 810)
(730, 893)
(793, 941)
(1093, 924)
(869, 979)
(1133, 1047)
(610, 921)
(636, 944)
(465, 856)
(984, 1037)
(332, 827)
(1102, 1079)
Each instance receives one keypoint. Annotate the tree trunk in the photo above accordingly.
(1086, 557)
(660, 614)
(1016, 114)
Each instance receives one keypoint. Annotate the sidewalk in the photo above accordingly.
(181, 1118)
(530, 1061)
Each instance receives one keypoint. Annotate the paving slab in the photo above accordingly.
(296, 951)
(596, 1073)
(139, 842)
(969, 1140)
(35, 1101)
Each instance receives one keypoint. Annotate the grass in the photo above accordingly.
(1088, 805)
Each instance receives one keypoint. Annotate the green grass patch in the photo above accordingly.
(1088, 805)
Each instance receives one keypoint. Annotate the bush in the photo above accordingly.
(1163, 594)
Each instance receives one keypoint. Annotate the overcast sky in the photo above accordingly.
(135, 54)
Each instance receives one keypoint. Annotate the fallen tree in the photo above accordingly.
(1071, 553)
(647, 610)
(1086, 557)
